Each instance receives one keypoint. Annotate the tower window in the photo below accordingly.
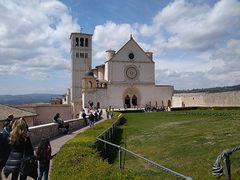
(77, 55)
(77, 42)
(81, 42)
(81, 55)
(86, 55)
(86, 42)
(89, 84)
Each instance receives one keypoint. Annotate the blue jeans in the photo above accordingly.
(43, 169)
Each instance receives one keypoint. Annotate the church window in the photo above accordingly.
(77, 55)
(89, 84)
(131, 56)
(81, 42)
(81, 55)
(86, 42)
(98, 105)
(86, 55)
(77, 42)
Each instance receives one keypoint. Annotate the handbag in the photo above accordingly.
(29, 165)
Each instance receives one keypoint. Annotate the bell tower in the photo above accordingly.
(81, 61)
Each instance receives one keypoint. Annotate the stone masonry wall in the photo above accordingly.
(231, 98)
(51, 130)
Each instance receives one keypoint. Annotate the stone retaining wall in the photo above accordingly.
(51, 130)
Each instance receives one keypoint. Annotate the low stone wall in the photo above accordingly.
(51, 130)
(221, 99)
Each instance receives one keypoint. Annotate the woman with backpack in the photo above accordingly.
(21, 146)
(44, 156)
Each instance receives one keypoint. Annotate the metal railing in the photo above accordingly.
(218, 170)
(108, 134)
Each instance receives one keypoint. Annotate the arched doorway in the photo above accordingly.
(131, 97)
(127, 102)
(134, 100)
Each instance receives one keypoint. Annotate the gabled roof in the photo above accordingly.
(139, 47)
(17, 113)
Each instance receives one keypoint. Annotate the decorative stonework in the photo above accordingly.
(131, 72)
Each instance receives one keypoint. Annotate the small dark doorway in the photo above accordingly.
(127, 102)
(134, 100)
(169, 103)
(98, 105)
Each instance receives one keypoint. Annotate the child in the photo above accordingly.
(44, 156)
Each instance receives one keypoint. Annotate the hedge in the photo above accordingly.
(79, 159)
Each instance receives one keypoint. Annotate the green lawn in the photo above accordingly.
(185, 141)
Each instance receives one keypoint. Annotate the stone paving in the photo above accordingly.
(57, 143)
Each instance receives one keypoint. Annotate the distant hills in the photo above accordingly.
(45, 98)
(211, 90)
(27, 98)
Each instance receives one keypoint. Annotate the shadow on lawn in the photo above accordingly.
(110, 152)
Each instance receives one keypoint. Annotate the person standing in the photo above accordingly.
(10, 120)
(84, 116)
(91, 119)
(5, 146)
(44, 155)
(20, 146)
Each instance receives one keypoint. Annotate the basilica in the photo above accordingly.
(125, 80)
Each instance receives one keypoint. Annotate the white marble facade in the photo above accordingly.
(126, 79)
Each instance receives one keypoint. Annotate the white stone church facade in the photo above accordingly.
(125, 80)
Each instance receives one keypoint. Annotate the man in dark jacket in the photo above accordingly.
(84, 116)
(5, 146)
(91, 119)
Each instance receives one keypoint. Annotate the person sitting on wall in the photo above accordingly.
(61, 124)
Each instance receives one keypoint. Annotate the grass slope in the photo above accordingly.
(185, 141)
(79, 159)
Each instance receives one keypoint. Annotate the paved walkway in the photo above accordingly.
(57, 143)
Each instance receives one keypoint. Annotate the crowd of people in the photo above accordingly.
(91, 116)
(149, 108)
(17, 155)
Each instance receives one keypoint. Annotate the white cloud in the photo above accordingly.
(34, 37)
(111, 36)
(201, 30)
(35, 40)
(195, 26)
(225, 64)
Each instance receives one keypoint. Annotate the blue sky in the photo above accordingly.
(196, 44)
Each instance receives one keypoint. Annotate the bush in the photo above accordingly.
(79, 159)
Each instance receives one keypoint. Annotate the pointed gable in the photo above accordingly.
(131, 52)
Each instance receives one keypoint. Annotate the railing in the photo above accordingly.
(108, 134)
(217, 169)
